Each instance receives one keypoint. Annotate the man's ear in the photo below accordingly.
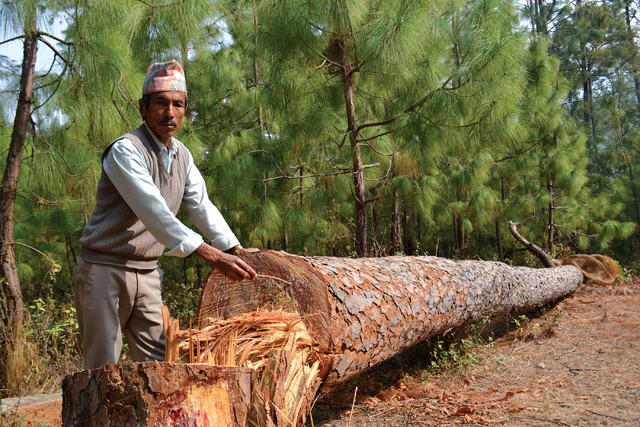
(143, 108)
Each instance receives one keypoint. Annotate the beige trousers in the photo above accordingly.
(112, 300)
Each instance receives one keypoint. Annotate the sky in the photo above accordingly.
(13, 49)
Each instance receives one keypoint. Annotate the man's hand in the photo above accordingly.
(229, 265)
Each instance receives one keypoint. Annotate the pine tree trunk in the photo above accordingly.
(364, 311)
(346, 70)
(256, 75)
(542, 17)
(157, 394)
(396, 237)
(623, 151)
(532, 8)
(634, 62)
(499, 240)
(551, 208)
(11, 284)
(498, 230)
(408, 235)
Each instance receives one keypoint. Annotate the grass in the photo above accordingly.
(44, 349)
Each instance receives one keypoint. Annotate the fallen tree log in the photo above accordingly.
(308, 324)
(157, 394)
(364, 311)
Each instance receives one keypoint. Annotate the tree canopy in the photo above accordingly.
(341, 127)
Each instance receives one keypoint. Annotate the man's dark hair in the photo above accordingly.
(146, 99)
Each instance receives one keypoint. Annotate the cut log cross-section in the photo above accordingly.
(157, 394)
(364, 311)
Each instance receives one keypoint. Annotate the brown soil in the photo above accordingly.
(576, 365)
(47, 413)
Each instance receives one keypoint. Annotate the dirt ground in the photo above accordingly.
(576, 365)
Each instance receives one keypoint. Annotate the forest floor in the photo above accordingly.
(575, 365)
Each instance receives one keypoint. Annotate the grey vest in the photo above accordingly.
(115, 235)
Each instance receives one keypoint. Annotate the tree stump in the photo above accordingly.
(157, 394)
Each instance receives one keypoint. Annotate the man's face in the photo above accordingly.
(164, 114)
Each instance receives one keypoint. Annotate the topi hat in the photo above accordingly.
(164, 76)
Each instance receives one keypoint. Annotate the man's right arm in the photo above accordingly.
(126, 167)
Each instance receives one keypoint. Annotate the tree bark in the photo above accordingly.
(498, 231)
(634, 62)
(499, 242)
(256, 75)
(11, 284)
(551, 207)
(346, 73)
(396, 238)
(364, 311)
(157, 394)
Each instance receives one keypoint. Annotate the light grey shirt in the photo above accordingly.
(126, 167)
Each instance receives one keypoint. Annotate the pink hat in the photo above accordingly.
(164, 76)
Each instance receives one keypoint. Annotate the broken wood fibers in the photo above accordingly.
(364, 311)
(278, 346)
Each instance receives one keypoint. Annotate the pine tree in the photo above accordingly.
(595, 44)
(328, 61)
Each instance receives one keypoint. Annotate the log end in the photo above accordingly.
(157, 393)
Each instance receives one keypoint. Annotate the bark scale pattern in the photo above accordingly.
(379, 307)
(383, 306)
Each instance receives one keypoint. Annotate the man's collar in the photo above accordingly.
(171, 146)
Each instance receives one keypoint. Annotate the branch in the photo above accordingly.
(230, 124)
(59, 40)
(58, 54)
(12, 39)
(53, 63)
(41, 202)
(151, 6)
(69, 168)
(379, 152)
(52, 94)
(373, 199)
(315, 175)
(534, 249)
(410, 109)
(513, 156)
(417, 105)
(613, 416)
(35, 250)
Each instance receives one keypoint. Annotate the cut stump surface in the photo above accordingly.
(157, 394)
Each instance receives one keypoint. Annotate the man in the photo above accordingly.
(146, 175)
